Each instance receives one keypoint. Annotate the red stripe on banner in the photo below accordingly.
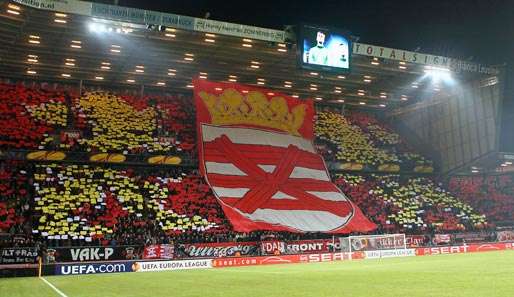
(231, 181)
(263, 156)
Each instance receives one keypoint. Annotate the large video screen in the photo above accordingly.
(324, 49)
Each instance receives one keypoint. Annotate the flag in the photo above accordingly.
(257, 155)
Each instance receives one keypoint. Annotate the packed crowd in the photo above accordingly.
(92, 203)
(29, 116)
(152, 124)
(490, 195)
(35, 118)
(15, 198)
(72, 204)
(409, 204)
(360, 138)
(353, 145)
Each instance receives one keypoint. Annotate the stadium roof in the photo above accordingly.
(98, 43)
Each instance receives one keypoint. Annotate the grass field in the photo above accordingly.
(471, 275)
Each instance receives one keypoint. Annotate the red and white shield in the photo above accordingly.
(271, 180)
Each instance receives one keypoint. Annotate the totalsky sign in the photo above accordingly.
(419, 58)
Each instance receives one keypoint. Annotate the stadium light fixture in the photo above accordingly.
(382, 105)
(66, 75)
(97, 28)
(318, 98)
(15, 12)
(438, 74)
(32, 59)
(295, 96)
(31, 72)
(13, 7)
(34, 41)
(341, 77)
(99, 77)
(362, 103)
(131, 80)
(340, 100)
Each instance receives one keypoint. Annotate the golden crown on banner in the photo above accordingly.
(232, 108)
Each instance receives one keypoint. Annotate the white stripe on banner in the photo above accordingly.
(332, 196)
(302, 172)
(240, 192)
(280, 195)
(298, 172)
(306, 220)
(223, 168)
(255, 136)
(230, 192)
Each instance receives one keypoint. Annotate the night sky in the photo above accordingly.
(476, 30)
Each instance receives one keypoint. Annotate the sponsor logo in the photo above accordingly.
(326, 257)
(199, 250)
(72, 269)
(172, 265)
(390, 253)
(275, 260)
(91, 254)
(444, 250)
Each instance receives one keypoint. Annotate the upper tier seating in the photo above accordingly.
(33, 118)
(360, 138)
(491, 195)
(29, 116)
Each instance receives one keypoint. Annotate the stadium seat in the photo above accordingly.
(490, 195)
(409, 204)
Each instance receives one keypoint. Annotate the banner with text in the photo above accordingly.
(159, 251)
(93, 253)
(19, 255)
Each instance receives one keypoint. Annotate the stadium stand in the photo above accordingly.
(491, 195)
(353, 145)
(15, 198)
(93, 203)
(409, 204)
(361, 138)
(104, 204)
(150, 124)
(28, 116)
